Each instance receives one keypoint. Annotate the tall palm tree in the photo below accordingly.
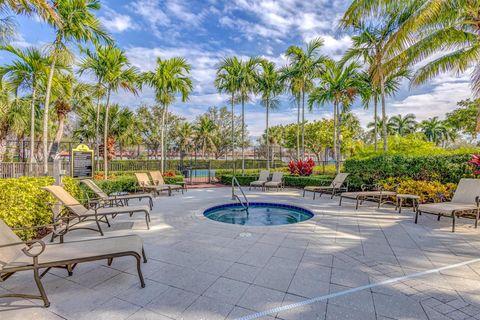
(403, 125)
(305, 66)
(247, 85)
(339, 84)
(226, 82)
(27, 70)
(120, 75)
(373, 45)
(184, 133)
(270, 87)
(377, 125)
(169, 79)
(94, 63)
(205, 131)
(41, 8)
(447, 28)
(68, 94)
(434, 130)
(293, 83)
(79, 24)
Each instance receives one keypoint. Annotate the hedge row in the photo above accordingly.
(24, 204)
(444, 168)
(289, 180)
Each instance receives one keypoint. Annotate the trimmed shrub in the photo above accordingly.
(443, 168)
(24, 204)
(429, 191)
(248, 172)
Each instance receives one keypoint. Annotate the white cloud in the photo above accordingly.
(116, 22)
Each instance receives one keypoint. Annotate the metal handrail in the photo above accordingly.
(235, 181)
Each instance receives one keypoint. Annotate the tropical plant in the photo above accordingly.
(339, 84)
(304, 67)
(434, 130)
(184, 133)
(463, 119)
(270, 87)
(403, 125)
(120, 75)
(169, 79)
(79, 24)
(205, 131)
(95, 63)
(68, 94)
(27, 70)
(373, 45)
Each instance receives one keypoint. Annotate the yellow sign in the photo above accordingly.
(82, 161)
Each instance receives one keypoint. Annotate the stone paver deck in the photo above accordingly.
(200, 269)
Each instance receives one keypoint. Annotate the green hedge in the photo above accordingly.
(24, 204)
(289, 180)
(128, 184)
(443, 168)
(248, 172)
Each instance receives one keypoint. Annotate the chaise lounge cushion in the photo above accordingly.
(77, 250)
(446, 208)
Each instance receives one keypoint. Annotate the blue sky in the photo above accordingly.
(206, 31)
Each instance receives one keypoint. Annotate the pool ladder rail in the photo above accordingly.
(245, 204)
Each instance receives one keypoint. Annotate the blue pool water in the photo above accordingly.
(259, 214)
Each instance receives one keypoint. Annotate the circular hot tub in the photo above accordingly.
(258, 214)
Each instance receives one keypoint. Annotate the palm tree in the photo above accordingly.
(40, 8)
(120, 75)
(373, 45)
(169, 79)
(184, 133)
(270, 86)
(434, 130)
(68, 94)
(226, 82)
(403, 125)
(377, 125)
(205, 131)
(450, 28)
(94, 63)
(339, 84)
(79, 24)
(304, 67)
(27, 70)
(292, 82)
(247, 85)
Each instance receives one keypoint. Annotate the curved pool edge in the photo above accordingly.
(203, 213)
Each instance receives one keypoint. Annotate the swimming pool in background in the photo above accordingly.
(259, 214)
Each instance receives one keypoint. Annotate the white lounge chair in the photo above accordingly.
(276, 182)
(262, 179)
(465, 201)
(338, 184)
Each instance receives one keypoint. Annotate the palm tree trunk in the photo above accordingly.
(105, 137)
(243, 137)
(335, 136)
(266, 135)
(339, 142)
(32, 126)
(97, 131)
(375, 121)
(298, 127)
(46, 115)
(303, 125)
(53, 148)
(233, 134)
(162, 140)
(384, 113)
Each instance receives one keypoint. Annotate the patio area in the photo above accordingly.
(201, 269)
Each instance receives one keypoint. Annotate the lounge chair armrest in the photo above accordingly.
(477, 201)
(59, 221)
(30, 245)
(375, 186)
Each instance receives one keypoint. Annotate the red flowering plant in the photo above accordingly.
(169, 174)
(475, 161)
(301, 168)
